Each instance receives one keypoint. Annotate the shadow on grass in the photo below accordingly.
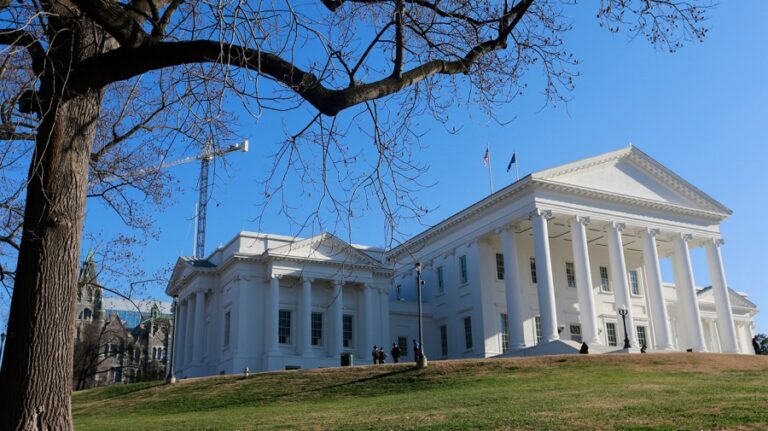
(320, 389)
(120, 391)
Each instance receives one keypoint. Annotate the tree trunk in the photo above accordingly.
(36, 374)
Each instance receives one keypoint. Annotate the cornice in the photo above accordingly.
(491, 201)
(628, 200)
(304, 260)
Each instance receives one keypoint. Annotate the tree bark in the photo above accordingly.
(37, 365)
(36, 374)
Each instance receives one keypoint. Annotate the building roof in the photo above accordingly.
(635, 179)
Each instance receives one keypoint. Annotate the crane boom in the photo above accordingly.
(202, 204)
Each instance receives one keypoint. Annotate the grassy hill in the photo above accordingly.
(660, 391)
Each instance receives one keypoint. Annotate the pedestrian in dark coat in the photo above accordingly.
(395, 353)
(382, 355)
(415, 351)
(375, 354)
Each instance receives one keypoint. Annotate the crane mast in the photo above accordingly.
(202, 207)
(202, 203)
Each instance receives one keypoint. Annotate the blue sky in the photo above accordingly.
(700, 111)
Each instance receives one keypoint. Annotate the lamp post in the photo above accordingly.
(171, 377)
(422, 362)
(623, 313)
(2, 346)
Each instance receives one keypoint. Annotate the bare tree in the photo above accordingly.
(176, 67)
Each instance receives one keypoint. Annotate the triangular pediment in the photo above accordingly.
(631, 173)
(706, 295)
(325, 248)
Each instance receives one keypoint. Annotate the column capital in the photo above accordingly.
(653, 232)
(538, 212)
(686, 237)
(585, 220)
(307, 280)
(270, 277)
(337, 282)
(618, 226)
(511, 228)
(719, 242)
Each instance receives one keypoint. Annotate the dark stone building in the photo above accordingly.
(108, 349)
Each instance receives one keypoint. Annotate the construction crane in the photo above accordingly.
(202, 204)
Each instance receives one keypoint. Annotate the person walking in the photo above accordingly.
(395, 353)
(382, 355)
(415, 351)
(375, 354)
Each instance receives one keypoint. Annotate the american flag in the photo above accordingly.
(487, 157)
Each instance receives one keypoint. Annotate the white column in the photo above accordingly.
(246, 322)
(513, 288)
(686, 290)
(659, 316)
(385, 340)
(726, 328)
(189, 333)
(337, 316)
(588, 316)
(618, 271)
(366, 318)
(717, 347)
(545, 285)
(197, 346)
(179, 334)
(305, 319)
(271, 313)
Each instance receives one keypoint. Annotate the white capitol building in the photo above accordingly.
(535, 268)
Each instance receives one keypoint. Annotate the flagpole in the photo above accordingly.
(517, 170)
(490, 169)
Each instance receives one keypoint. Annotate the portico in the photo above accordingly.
(618, 238)
(561, 251)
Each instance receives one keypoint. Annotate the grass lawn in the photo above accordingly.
(631, 392)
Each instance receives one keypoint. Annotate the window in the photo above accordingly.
(444, 340)
(440, 281)
(347, 336)
(227, 323)
(499, 266)
(533, 270)
(570, 274)
(504, 332)
(87, 314)
(610, 330)
(154, 353)
(106, 349)
(402, 342)
(468, 332)
(399, 291)
(137, 355)
(537, 324)
(463, 269)
(575, 329)
(317, 329)
(634, 285)
(605, 284)
(641, 336)
(284, 327)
